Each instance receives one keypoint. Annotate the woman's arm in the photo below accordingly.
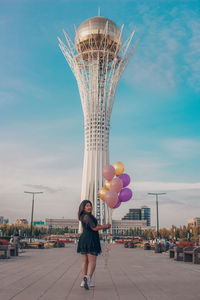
(100, 227)
(89, 221)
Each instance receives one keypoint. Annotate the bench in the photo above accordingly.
(178, 253)
(196, 256)
(188, 254)
(191, 254)
(147, 246)
(14, 250)
(5, 251)
(8, 250)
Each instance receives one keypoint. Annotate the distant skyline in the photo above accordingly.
(155, 123)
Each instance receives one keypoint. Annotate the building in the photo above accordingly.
(118, 226)
(133, 214)
(122, 226)
(63, 223)
(194, 222)
(146, 214)
(97, 59)
(143, 213)
(21, 222)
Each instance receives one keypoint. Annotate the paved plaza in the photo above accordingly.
(54, 274)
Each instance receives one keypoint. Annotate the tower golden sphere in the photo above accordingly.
(98, 33)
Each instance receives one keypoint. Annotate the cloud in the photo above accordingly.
(182, 148)
(192, 57)
(152, 172)
(180, 203)
(44, 188)
(169, 159)
(165, 186)
(15, 90)
(168, 51)
(59, 176)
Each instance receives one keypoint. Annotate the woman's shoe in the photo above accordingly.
(92, 283)
(86, 282)
(82, 283)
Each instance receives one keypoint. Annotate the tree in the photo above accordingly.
(164, 233)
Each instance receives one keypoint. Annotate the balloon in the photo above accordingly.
(102, 193)
(111, 198)
(107, 185)
(125, 195)
(108, 172)
(117, 205)
(116, 185)
(119, 168)
(125, 178)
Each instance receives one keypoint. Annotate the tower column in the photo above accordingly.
(97, 60)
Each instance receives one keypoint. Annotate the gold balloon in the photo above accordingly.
(107, 185)
(119, 168)
(102, 193)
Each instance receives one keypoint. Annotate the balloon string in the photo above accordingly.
(108, 240)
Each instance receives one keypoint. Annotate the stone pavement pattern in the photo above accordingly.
(54, 274)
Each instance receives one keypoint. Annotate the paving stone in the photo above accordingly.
(54, 274)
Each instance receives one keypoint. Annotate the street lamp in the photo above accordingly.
(33, 193)
(157, 194)
(190, 234)
(175, 234)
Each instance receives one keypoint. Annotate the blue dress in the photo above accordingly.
(89, 242)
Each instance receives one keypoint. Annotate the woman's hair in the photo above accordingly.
(82, 207)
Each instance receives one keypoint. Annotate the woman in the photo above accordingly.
(89, 244)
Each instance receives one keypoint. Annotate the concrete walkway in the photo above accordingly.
(54, 274)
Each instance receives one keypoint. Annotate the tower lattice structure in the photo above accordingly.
(97, 59)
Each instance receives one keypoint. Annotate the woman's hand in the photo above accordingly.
(100, 227)
(107, 226)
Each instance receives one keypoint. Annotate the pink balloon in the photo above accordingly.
(118, 204)
(111, 198)
(108, 172)
(116, 185)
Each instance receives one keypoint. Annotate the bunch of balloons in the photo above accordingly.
(115, 190)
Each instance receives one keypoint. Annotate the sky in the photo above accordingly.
(155, 119)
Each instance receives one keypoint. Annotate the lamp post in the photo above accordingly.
(175, 234)
(157, 194)
(33, 193)
(190, 234)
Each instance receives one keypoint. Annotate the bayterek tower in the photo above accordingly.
(97, 58)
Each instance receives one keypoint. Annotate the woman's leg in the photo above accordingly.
(91, 264)
(84, 266)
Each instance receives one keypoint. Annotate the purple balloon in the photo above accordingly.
(125, 178)
(117, 205)
(125, 195)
